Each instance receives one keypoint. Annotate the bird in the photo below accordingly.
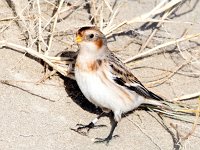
(105, 80)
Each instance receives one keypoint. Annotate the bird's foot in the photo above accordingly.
(105, 140)
(88, 127)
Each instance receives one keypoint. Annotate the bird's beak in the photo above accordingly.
(78, 39)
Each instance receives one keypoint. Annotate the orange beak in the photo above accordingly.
(78, 39)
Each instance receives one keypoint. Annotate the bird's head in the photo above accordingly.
(90, 39)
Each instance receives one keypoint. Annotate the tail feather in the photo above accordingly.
(153, 102)
(154, 96)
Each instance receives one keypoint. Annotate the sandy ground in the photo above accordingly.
(39, 116)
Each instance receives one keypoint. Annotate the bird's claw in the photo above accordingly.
(88, 127)
(105, 140)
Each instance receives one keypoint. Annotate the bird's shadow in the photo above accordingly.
(73, 90)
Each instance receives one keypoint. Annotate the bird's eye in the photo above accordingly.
(91, 36)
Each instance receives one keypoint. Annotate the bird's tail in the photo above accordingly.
(175, 110)
(158, 101)
(154, 96)
(158, 104)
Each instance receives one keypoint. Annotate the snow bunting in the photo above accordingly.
(105, 81)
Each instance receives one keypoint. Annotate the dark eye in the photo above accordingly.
(91, 36)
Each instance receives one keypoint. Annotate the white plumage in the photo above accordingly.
(104, 79)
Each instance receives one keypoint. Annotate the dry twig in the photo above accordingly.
(161, 46)
(63, 70)
(187, 96)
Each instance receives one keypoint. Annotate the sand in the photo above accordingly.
(40, 116)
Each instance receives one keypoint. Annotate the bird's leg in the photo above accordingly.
(89, 126)
(110, 136)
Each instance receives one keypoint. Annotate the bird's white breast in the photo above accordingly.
(102, 91)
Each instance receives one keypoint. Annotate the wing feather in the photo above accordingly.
(123, 77)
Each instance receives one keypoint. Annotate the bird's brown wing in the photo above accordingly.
(123, 77)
